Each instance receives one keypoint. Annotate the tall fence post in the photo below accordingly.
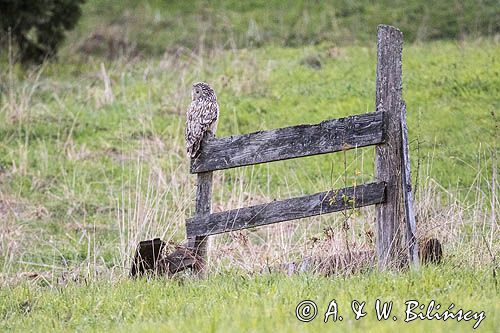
(390, 217)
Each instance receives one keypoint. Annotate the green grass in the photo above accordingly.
(80, 173)
(240, 303)
(71, 165)
(154, 26)
(450, 91)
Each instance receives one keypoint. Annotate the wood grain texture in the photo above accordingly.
(390, 218)
(203, 208)
(290, 142)
(285, 210)
(411, 224)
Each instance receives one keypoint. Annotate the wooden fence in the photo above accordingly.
(390, 193)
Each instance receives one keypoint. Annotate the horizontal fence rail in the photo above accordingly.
(285, 210)
(290, 142)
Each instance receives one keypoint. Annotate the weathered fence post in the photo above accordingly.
(203, 207)
(411, 223)
(390, 217)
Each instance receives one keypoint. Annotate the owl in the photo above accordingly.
(202, 116)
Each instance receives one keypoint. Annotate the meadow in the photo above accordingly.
(92, 161)
(243, 303)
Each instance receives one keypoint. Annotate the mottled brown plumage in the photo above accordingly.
(202, 116)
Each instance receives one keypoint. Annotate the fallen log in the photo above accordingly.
(155, 257)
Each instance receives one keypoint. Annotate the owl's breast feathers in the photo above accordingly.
(202, 116)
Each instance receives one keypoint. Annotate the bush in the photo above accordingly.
(37, 27)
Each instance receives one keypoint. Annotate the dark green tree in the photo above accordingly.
(37, 27)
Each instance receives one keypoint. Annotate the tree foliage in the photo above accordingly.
(37, 27)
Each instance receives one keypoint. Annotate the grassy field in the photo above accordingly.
(92, 160)
(154, 26)
(241, 303)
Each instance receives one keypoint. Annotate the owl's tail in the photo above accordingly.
(194, 149)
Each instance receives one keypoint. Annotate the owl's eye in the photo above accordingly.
(197, 91)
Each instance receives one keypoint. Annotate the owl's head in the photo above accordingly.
(202, 90)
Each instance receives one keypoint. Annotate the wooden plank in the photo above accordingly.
(203, 208)
(411, 225)
(390, 214)
(285, 210)
(290, 142)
